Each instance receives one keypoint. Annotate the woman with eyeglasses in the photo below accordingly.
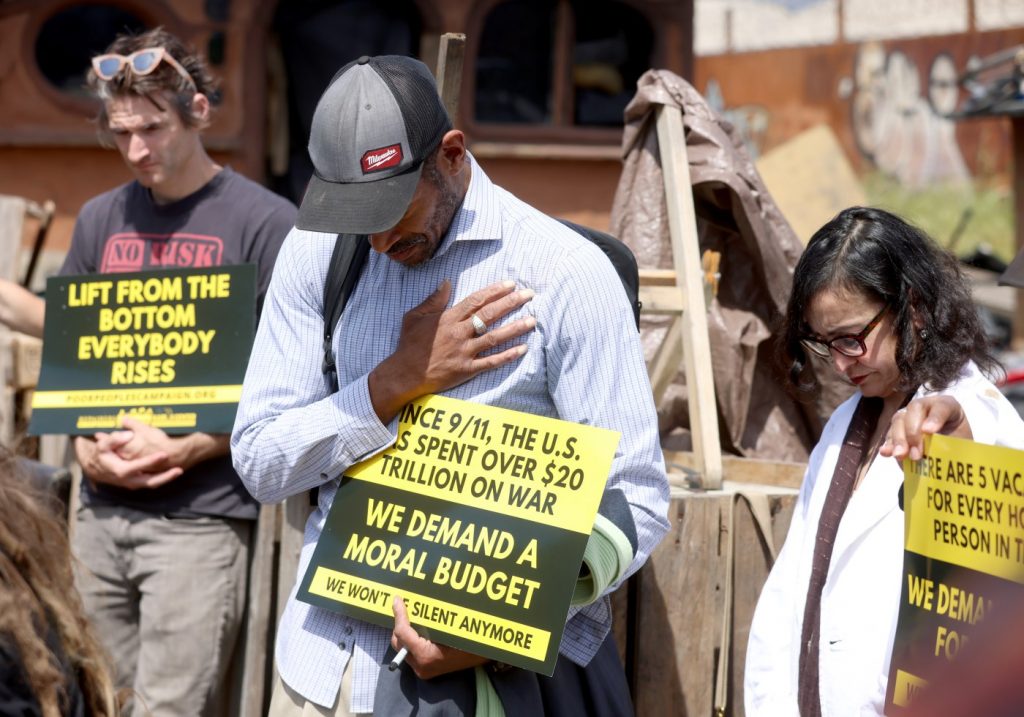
(889, 310)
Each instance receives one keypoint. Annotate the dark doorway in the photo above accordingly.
(68, 40)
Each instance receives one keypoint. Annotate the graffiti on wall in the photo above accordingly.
(901, 124)
(750, 121)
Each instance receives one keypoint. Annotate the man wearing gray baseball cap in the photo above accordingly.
(469, 293)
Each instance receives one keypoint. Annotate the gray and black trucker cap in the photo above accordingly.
(376, 122)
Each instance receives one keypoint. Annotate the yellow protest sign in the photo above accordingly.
(478, 517)
(532, 467)
(964, 556)
(970, 498)
(167, 347)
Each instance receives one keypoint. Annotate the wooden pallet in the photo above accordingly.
(674, 618)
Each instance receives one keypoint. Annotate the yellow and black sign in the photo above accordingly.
(166, 347)
(964, 558)
(478, 517)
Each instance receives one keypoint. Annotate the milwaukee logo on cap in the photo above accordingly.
(378, 159)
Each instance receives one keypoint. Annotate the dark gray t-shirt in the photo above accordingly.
(230, 220)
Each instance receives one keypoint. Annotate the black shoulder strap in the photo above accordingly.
(350, 252)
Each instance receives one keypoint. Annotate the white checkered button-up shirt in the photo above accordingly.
(584, 364)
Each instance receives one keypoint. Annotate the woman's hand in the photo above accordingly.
(922, 416)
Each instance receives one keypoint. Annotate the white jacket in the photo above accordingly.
(860, 600)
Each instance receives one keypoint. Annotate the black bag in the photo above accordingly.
(351, 250)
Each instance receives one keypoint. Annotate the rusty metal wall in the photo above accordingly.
(871, 94)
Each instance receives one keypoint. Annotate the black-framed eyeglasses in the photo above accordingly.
(851, 345)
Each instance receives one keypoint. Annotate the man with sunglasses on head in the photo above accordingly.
(163, 534)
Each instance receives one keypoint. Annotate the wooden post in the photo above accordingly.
(1017, 130)
(12, 220)
(8, 413)
(682, 222)
(255, 638)
(665, 362)
(450, 56)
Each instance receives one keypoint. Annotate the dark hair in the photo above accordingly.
(37, 597)
(875, 253)
(162, 81)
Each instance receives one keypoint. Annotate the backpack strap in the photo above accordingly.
(347, 260)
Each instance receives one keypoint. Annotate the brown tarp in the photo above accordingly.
(737, 218)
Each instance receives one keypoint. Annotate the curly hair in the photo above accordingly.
(872, 252)
(164, 81)
(37, 597)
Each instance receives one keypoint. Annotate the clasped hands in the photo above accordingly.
(143, 456)
(139, 456)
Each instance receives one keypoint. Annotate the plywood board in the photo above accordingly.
(810, 179)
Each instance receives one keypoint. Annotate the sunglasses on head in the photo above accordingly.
(141, 62)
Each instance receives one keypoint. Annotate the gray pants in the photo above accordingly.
(167, 597)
